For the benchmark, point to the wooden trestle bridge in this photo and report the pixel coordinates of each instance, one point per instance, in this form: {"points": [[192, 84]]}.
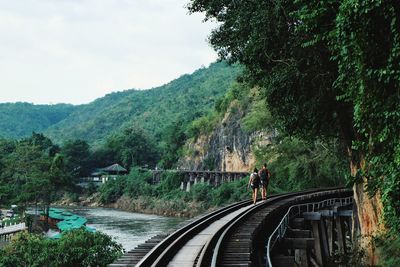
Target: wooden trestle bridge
{"points": [[190, 177], [296, 229]]}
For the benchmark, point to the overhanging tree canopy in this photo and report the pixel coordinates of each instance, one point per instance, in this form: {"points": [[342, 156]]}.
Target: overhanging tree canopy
{"points": [[328, 68]]}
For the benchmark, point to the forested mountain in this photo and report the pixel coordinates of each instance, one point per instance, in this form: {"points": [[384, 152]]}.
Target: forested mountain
{"points": [[21, 119], [184, 99]]}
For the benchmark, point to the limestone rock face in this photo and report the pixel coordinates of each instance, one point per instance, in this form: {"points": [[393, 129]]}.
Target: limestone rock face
{"points": [[227, 148], [369, 211], [368, 214]]}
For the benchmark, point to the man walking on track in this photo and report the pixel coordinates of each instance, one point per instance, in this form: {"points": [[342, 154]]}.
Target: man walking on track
{"points": [[265, 175]]}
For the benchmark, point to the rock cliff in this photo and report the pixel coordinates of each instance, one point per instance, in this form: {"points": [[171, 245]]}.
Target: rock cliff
{"points": [[227, 148]]}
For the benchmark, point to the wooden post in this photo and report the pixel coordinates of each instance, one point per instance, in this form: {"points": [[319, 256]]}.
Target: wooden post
{"points": [[188, 186], [339, 230], [216, 179], [324, 239], [303, 258], [317, 244], [329, 228], [182, 186], [300, 257]]}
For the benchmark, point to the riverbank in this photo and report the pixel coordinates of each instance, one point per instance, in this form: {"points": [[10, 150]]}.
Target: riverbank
{"points": [[143, 204], [128, 228], [170, 208]]}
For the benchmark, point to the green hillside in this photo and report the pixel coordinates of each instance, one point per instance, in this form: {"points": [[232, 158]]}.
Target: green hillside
{"points": [[185, 98], [21, 119]]}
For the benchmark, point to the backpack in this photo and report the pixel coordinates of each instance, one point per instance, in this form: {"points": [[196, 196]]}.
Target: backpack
{"points": [[264, 175], [255, 178]]}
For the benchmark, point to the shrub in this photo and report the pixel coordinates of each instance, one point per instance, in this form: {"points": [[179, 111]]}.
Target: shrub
{"points": [[230, 192], [75, 248], [91, 188], [112, 190], [296, 164], [170, 181], [389, 246], [201, 192], [138, 184]]}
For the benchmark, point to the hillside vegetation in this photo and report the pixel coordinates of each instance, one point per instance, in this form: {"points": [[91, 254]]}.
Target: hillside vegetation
{"points": [[21, 119], [296, 163], [185, 98]]}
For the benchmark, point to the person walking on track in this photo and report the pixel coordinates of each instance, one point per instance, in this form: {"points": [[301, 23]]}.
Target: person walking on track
{"points": [[265, 175], [254, 182]]}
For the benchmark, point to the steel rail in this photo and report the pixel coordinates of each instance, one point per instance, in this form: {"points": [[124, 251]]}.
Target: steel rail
{"points": [[163, 252], [166, 249], [207, 252], [230, 227]]}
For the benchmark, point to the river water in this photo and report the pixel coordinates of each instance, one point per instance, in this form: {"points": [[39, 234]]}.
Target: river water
{"points": [[129, 229]]}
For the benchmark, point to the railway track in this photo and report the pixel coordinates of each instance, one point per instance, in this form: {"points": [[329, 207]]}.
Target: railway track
{"points": [[231, 236]]}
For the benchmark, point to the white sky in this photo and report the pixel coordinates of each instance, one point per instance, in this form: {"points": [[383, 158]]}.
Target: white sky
{"points": [[74, 51]]}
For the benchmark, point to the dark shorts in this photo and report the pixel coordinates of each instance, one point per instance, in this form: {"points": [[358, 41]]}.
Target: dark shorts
{"points": [[255, 185], [264, 183]]}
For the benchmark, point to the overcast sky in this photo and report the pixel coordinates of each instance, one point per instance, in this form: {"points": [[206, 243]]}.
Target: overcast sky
{"points": [[74, 51]]}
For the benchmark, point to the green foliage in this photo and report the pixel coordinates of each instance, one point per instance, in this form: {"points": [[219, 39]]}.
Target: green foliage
{"points": [[73, 197], [75, 248], [30, 172], [91, 188], [41, 142], [201, 192], [296, 165], [231, 192], [112, 190], [185, 98], [77, 154], [170, 181], [21, 119], [209, 163], [173, 138], [367, 45], [138, 183], [328, 69], [132, 147], [238, 91], [388, 248], [242, 96], [295, 82], [258, 118], [203, 125]]}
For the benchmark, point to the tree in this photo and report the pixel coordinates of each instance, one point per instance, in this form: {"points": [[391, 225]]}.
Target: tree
{"points": [[30, 174], [329, 69], [297, 164], [22, 173], [174, 138], [75, 248], [133, 148], [43, 143], [77, 155]]}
